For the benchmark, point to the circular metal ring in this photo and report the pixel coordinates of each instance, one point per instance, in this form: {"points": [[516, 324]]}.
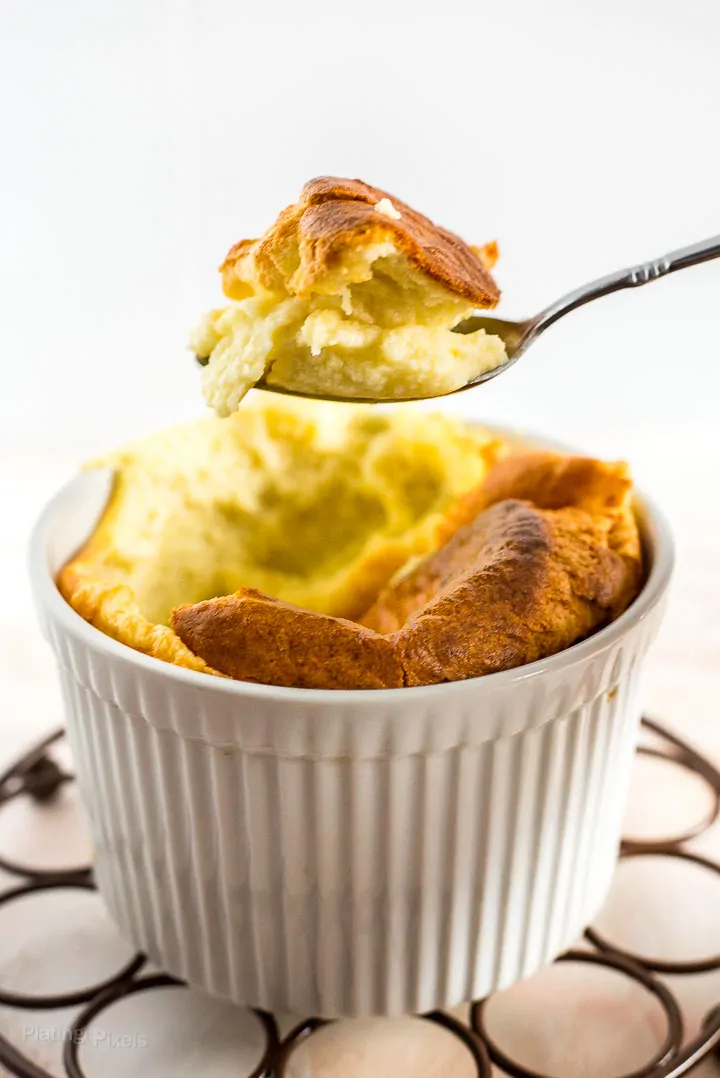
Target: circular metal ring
{"points": [[671, 842], [36, 775], [297, 1036], [665, 1053], [26, 761], [114, 993], [16, 1063], [676, 751], [711, 1028], [660, 965], [23, 1001], [467, 1036]]}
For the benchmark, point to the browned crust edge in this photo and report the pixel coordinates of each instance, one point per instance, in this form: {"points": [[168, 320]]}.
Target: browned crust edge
{"points": [[334, 214], [514, 582]]}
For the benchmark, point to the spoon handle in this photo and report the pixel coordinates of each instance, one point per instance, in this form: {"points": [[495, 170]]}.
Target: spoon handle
{"points": [[629, 278]]}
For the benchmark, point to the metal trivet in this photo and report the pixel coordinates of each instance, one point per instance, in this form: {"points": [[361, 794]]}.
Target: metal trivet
{"points": [[38, 776]]}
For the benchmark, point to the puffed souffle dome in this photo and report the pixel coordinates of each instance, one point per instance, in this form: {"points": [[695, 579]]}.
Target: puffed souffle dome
{"points": [[320, 546], [350, 293]]}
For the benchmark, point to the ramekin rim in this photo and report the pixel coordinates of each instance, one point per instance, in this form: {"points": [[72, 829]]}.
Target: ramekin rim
{"points": [[48, 594]]}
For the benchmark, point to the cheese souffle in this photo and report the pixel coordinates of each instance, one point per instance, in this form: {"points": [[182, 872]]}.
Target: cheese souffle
{"points": [[350, 293], [321, 546]]}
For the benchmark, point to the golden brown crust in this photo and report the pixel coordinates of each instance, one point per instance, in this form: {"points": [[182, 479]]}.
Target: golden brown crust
{"points": [[252, 637], [553, 481], [515, 585], [112, 609], [334, 215], [543, 554]]}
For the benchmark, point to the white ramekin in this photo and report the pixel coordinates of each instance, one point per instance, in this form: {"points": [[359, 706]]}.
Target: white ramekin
{"points": [[348, 853]]}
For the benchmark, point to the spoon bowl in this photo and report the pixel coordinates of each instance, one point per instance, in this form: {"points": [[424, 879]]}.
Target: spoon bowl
{"points": [[518, 336]]}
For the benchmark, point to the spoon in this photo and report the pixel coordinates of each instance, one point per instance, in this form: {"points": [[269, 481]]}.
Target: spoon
{"points": [[518, 336]]}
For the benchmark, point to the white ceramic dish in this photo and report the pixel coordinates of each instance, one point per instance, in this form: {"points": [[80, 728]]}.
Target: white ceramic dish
{"points": [[348, 852]]}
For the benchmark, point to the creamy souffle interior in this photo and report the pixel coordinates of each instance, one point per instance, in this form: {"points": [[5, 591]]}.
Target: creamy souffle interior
{"points": [[350, 293]]}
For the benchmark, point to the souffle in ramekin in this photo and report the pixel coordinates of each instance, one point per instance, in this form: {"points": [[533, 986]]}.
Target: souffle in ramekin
{"points": [[353, 694]]}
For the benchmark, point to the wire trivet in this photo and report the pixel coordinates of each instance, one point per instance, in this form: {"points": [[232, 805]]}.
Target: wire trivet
{"points": [[38, 775]]}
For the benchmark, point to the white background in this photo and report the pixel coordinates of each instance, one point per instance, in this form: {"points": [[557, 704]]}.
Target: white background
{"points": [[141, 138]]}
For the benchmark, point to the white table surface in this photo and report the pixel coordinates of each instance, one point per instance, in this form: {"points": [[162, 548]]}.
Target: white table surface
{"points": [[540, 1018]]}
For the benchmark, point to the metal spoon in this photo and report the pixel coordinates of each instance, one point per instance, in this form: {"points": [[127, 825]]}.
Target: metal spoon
{"points": [[518, 336]]}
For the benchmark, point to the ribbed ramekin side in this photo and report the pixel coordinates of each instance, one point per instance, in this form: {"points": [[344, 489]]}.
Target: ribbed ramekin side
{"points": [[371, 881]]}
